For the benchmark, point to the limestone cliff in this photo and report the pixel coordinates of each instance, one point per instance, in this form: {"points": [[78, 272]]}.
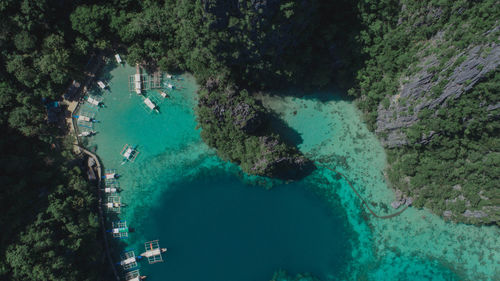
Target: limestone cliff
{"points": [[430, 89], [234, 123]]}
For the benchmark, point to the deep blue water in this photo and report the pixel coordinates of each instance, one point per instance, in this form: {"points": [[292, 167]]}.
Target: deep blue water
{"points": [[221, 229]]}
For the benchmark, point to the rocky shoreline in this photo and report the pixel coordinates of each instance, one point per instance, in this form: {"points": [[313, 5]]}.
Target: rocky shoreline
{"points": [[235, 124]]}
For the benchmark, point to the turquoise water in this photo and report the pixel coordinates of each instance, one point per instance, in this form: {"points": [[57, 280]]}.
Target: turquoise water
{"points": [[218, 225]]}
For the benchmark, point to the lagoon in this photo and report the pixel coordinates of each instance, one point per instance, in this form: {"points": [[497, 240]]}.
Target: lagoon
{"points": [[221, 225]]}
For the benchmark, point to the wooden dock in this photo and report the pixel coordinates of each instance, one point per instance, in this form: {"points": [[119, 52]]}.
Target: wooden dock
{"points": [[148, 82]]}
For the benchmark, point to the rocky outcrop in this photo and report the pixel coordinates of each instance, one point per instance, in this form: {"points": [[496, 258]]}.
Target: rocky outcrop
{"points": [[485, 215], [430, 89], [235, 124], [283, 166]]}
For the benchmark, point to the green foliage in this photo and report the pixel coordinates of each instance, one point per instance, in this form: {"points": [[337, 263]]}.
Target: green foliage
{"points": [[463, 150], [49, 224], [448, 147], [393, 39], [238, 136], [48, 220]]}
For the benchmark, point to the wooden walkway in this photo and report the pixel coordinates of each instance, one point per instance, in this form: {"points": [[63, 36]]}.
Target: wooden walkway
{"points": [[101, 213], [359, 196]]}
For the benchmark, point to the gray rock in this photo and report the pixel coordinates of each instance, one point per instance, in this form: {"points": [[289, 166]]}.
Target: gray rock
{"points": [[409, 201], [474, 214], [418, 94], [396, 204]]}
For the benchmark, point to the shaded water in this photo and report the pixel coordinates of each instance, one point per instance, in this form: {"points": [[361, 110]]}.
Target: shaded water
{"points": [[217, 226]]}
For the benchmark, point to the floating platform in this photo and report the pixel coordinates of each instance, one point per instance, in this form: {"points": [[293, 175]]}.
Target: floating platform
{"points": [[143, 82]]}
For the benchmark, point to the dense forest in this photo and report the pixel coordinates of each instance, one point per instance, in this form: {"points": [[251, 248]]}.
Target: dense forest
{"points": [[49, 216], [429, 87], [447, 159]]}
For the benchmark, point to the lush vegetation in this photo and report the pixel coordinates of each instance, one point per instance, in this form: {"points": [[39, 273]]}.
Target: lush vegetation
{"points": [[232, 122], [48, 220], [396, 36], [239, 44], [457, 168]]}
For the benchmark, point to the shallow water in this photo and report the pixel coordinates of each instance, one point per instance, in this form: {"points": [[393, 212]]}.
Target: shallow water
{"points": [[218, 226]]}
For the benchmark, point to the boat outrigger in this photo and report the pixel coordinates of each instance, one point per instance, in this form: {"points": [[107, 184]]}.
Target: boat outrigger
{"points": [[134, 275], [110, 190], [128, 260], [119, 229], [153, 251], [85, 118], [110, 174], [114, 204], [163, 94], [112, 186], [118, 59], [129, 153], [102, 85], [95, 102], [151, 105], [87, 133]]}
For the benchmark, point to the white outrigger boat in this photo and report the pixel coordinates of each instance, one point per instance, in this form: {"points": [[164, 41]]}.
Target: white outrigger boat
{"points": [[95, 102], [87, 134], [118, 59], [114, 204], [134, 275], [128, 260], [129, 153], [110, 174], [151, 105], [102, 85], [110, 190], [119, 229], [85, 118], [153, 251]]}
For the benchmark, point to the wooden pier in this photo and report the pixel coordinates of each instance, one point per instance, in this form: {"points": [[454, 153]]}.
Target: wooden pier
{"points": [[147, 82]]}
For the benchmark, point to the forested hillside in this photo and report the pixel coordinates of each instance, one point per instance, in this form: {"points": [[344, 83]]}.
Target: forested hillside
{"points": [[49, 218], [425, 74], [430, 89]]}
